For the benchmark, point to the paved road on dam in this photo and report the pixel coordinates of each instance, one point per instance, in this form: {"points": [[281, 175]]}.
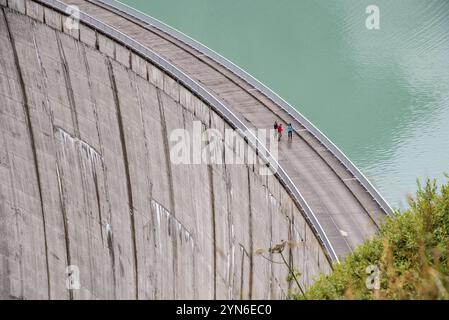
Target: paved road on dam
{"points": [[346, 211]]}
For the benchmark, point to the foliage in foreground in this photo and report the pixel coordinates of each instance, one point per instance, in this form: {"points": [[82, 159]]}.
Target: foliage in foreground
{"points": [[410, 251]]}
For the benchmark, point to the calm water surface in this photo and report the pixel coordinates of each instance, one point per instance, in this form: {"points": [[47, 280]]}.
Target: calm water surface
{"points": [[382, 95]]}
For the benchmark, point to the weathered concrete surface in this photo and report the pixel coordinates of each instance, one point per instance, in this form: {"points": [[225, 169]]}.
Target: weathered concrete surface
{"points": [[86, 180]]}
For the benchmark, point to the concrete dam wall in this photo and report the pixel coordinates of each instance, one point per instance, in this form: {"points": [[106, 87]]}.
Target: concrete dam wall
{"points": [[87, 187]]}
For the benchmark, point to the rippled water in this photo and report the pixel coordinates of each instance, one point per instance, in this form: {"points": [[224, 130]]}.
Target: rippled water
{"points": [[381, 95]]}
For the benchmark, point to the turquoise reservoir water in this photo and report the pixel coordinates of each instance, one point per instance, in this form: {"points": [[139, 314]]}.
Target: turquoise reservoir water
{"points": [[381, 95]]}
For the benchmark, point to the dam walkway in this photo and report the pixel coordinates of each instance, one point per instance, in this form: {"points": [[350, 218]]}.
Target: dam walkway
{"points": [[346, 206]]}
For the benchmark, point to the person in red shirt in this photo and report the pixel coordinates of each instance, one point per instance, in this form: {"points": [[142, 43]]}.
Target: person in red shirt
{"points": [[280, 131]]}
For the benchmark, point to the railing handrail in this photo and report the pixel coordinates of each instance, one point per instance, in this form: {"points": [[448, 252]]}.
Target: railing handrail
{"points": [[216, 104], [320, 136]]}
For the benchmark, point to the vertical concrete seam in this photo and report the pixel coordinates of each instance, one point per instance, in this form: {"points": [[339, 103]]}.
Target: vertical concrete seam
{"points": [[145, 138], [170, 183], [75, 122], [110, 241], [109, 235], [242, 272], [166, 150], [100, 141], [14, 199], [58, 168], [290, 253], [65, 221], [271, 213], [74, 117], [127, 173], [231, 236], [251, 262], [32, 142], [97, 196], [68, 85], [214, 236], [144, 129]]}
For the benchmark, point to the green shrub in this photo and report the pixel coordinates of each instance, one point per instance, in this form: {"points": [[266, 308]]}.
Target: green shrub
{"points": [[410, 251]]}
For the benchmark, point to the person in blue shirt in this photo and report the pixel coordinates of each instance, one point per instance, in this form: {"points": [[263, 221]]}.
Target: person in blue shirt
{"points": [[290, 132]]}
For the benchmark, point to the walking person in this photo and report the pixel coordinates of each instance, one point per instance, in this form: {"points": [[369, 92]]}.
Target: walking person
{"points": [[290, 132], [280, 129], [275, 129]]}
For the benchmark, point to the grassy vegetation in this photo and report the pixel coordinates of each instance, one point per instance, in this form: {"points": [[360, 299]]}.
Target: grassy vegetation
{"points": [[411, 253]]}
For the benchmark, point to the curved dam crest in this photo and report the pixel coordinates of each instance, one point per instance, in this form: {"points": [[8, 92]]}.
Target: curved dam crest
{"points": [[86, 180]]}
